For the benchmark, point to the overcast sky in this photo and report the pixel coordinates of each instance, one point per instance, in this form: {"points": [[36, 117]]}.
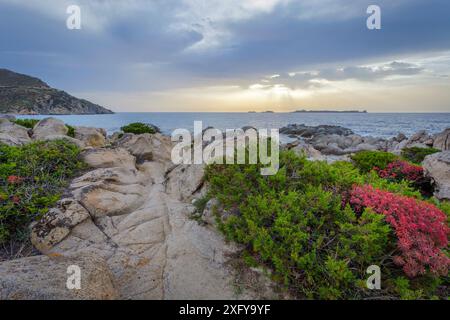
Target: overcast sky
{"points": [[235, 55]]}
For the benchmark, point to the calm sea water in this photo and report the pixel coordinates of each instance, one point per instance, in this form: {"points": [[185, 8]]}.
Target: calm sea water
{"points": [[373, 124]]}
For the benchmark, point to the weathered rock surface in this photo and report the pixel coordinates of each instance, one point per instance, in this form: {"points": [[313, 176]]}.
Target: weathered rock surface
{"points": [[108, 158], [13, 134], [442, 140], [91, 137], [45, 278], [437, 167], [49, 127], [146, 147], [138, 221]]}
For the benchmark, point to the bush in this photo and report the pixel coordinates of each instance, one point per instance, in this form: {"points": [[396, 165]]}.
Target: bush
{"points": [[139, 128], [402, 170], [32, 178], [368, 160], [420, 227], [416, 154], [299, 223], [27, 123], [71, 131]]}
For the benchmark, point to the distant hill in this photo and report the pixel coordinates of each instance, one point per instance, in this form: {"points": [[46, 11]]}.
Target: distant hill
{"points": [[22, 94]]}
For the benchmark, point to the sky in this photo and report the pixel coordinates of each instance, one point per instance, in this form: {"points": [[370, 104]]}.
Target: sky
{"points": [[235, 55]]}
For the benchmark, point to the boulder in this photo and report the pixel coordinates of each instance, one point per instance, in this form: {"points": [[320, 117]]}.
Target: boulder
{"points": [[437, 167], [108, 158], [13, 134], [46, 278], [57, 224], [49, 127], [147, 147], [92, 137], [302, 148], [442, 140]]}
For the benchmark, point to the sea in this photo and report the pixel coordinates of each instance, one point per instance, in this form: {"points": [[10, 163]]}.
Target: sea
{"points": [[383, 125]]}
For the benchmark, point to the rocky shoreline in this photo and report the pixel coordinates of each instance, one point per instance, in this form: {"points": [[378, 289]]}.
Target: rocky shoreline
{"points": [[127, 221]]}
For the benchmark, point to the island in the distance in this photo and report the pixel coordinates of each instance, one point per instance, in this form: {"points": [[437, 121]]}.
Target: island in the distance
{"points": [[22, 94], [329, 111]]}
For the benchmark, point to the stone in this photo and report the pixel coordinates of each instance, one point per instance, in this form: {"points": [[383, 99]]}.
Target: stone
{"points": [[57, 224], [442, 140], [77, 142], [147, 147], [108, 158], [45, 278], [49, 127], [92, 137], [9, 117], [303, 148], [437, 167], [13, 134]]}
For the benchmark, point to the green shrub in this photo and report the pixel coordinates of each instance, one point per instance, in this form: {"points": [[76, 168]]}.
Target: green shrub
{"points": [[139, 128], [296, 222], [32, 178], [416, 154], [27, 123], [368, 160], [71, 131]]}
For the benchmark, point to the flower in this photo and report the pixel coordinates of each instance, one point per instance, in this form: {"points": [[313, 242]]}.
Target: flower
{"points": [[14, 179]]}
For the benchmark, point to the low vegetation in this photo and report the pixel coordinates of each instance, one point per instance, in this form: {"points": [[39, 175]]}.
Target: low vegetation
{"points": [[27, 123], [320, 226], [139, 128], [417, 155], [32, 179]]}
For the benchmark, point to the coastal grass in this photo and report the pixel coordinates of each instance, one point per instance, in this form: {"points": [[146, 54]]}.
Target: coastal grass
{"points": [[300, 224]]}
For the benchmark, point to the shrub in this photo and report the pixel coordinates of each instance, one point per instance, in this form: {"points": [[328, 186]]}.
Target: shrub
{"points": [[71, 131], [368, 160], [27, 123], [32, 178], [416, 154], [299, 223], [139, 128], [420, 227], [401, 170]]}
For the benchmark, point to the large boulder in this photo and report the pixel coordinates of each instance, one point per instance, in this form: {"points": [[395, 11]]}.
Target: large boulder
{"points": [[49, 127], [92, 137], [46, 278], [147, 147], [109, 158], [13, 134], [437, 167], [302, 148], [442, 140]]}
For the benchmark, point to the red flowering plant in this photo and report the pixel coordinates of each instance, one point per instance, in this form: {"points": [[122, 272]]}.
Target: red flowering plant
{"points": [[14, 179], [401, 170], [420, 227]]}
